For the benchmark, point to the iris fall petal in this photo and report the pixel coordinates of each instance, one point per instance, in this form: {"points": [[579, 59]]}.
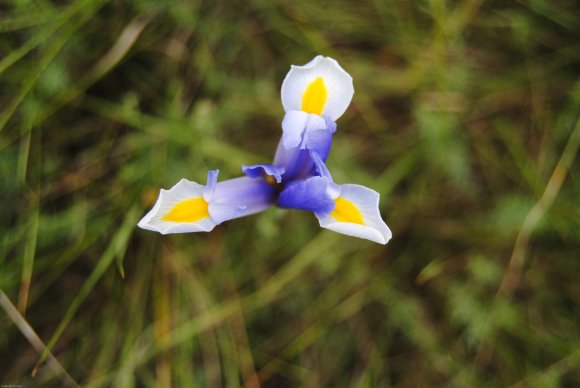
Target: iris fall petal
{"points": [[320, 87]]}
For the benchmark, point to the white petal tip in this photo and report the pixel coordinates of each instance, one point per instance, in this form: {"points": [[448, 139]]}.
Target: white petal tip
{"points": [[360, 231]]}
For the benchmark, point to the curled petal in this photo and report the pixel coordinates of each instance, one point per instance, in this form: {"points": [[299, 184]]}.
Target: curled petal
{"points": [[209, 189], [356, 213], [264, 170], [320, 87]]}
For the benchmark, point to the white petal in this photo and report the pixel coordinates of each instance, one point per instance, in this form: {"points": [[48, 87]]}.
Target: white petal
{"points": [[338, 84], [168, 199], [366, 201]]}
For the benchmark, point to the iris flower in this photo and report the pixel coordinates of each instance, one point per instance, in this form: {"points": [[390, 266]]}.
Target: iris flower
{"points": [[313, 96]]}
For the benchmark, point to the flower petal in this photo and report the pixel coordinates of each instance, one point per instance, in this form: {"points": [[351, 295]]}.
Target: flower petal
{"points": [[298, 125], [191, 207], [317, 138], [320, 87], [310, 194], [180, 209], [356, 213], [293, 127], [297, 161], [320, 165], [240, 197], [264, 170]]}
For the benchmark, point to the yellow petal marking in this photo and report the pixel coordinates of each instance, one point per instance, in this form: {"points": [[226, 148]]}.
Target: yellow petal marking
{"points": [[314, 98], [188, 210], [346, 211]]}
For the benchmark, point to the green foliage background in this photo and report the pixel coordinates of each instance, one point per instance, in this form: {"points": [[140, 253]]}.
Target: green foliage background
{"points": [[465, 119]]}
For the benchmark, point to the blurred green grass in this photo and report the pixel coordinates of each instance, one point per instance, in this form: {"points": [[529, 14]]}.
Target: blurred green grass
{"points": [[465, 119]]}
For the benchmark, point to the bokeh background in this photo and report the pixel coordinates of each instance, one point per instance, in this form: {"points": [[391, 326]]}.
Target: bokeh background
{"points": [[465, 119]]}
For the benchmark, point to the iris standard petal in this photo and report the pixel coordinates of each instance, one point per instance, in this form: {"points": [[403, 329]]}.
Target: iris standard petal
{"points": [[318, 138], [296, 127], [310, 194], [297, 162], [180, 209], [293, 127], [320, 87], [264, 170], [356, 213]]}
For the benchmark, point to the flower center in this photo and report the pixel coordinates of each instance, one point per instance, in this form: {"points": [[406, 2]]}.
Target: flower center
{"points": [[188, 210], [314, 98]]}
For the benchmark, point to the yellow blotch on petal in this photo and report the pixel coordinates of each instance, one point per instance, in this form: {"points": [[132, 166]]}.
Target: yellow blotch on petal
{"points": [[314, 98], [188, 210], [346, 211]]}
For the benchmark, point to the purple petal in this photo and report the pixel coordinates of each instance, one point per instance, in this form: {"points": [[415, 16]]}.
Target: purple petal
{"points": [[293, 126], [236, 197], [212, 177], [263, 170], [296, 162], [319, 141], [310, 194], [314, 123], [320, 166], [240, 197]]}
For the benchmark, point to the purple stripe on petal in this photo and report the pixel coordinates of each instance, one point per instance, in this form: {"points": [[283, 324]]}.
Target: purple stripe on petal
{"points": [[310, 194]]}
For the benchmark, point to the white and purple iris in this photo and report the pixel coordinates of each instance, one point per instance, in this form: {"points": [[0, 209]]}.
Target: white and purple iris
{"points": [[313, 96]]}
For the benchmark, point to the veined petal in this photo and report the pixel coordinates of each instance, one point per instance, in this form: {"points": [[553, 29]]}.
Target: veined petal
{"points": [[180, 209], [356, 213], [320, 87], [265, 170]]}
